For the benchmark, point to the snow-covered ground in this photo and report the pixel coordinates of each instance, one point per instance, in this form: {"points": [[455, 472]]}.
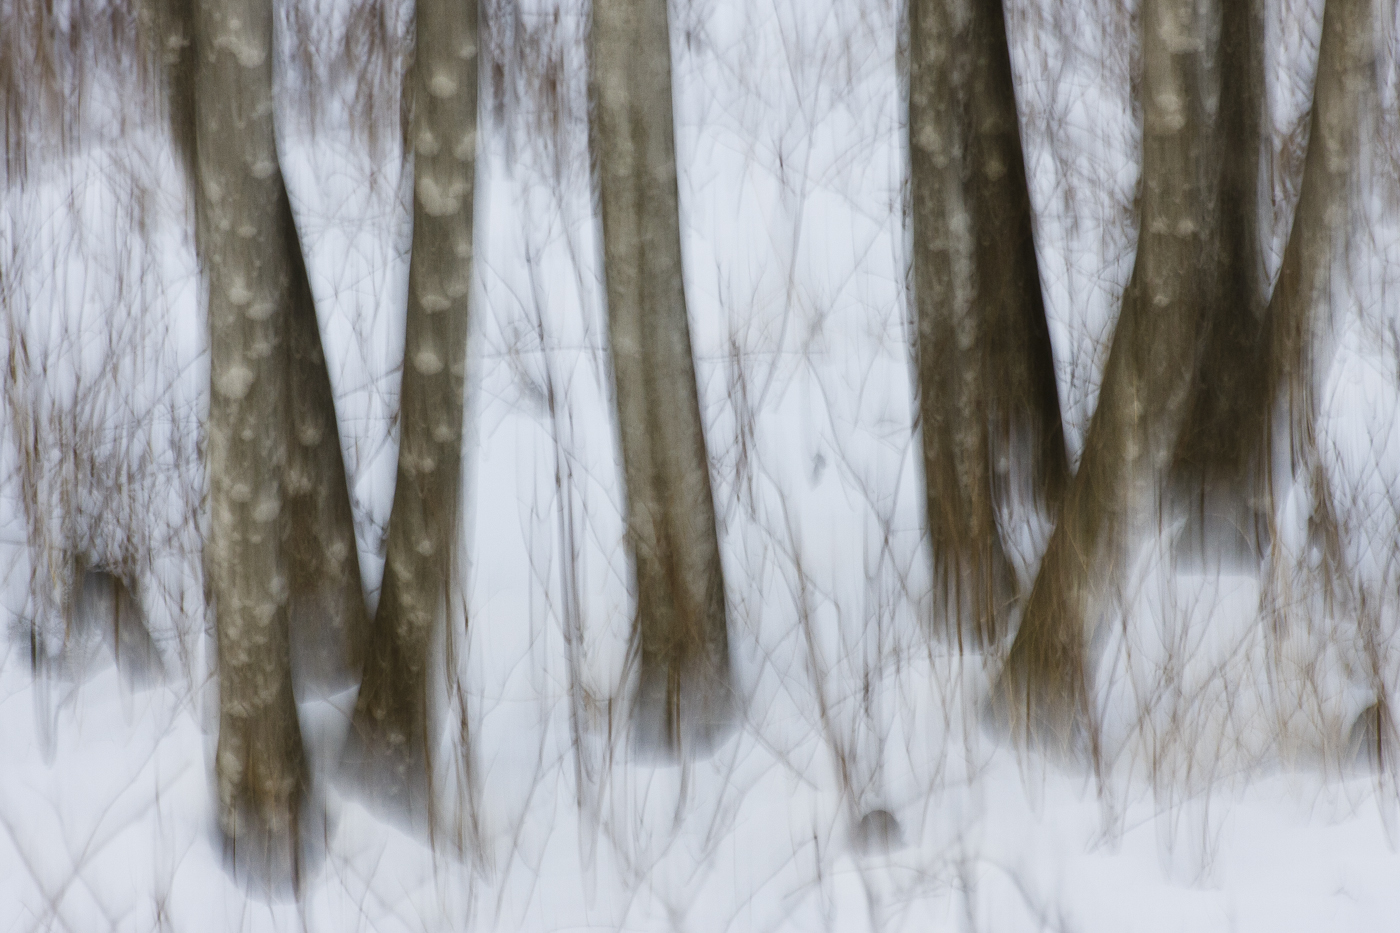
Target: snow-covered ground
{"points": [[1225, 796]]}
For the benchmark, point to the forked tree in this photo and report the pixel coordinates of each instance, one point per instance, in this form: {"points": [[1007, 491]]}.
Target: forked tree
{"points": [[680, 635], [1201, 370], [1171, 301], [281, 559], [392, 737], [985, 369]]}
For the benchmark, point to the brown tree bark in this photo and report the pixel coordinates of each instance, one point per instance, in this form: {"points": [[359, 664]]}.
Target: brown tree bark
{"points": [[985, 369], [684, 698], [1344, 96], [244, 243], [1219, 476], [392, 736], [1345, 102], [328, 621], [1173, 301], [281, 561]]}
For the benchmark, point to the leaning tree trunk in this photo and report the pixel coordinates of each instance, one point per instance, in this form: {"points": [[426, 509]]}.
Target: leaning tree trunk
{"points": [[391, 742], [680, 631], [1344, 96], [329, 622], [987, 394], [1344, 102], [1132, 437], [245, 241]]}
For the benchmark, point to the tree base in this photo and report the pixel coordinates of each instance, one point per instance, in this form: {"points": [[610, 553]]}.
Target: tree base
{"points": [[388, 774], [681, 718], [274, 855]]}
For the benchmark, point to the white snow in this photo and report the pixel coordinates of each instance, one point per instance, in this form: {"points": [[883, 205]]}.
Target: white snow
{"points": [[1220, 799]]}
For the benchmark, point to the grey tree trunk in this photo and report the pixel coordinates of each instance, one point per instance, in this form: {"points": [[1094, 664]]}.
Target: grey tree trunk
{"points": [[684, 698], [392, 737], [328, 621], [985, 369], [281, 559], [260, 764], [1172, 297]]}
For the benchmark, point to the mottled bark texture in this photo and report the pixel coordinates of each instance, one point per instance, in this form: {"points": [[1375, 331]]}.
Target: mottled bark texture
{"points": [[392, 737], [328, 621], [280, 557], [684, 698], [260, 764], [1173, 300], [988, 402]]}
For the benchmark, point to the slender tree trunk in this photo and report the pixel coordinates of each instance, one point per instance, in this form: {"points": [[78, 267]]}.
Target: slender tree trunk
{"points": [[1220, 471], [246, 247], [680, 631], [1344, 96], [1147, 385], [985, 368], [1344, 103], [329, 622], [392, 737]]}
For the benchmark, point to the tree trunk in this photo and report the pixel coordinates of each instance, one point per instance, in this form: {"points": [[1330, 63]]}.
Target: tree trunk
{"points": [[680, 633], [326, 602], [1219, 474], [985, 369], [1147, 385], [392, 738], [329, 622], [1344, 101], [246, 247]]}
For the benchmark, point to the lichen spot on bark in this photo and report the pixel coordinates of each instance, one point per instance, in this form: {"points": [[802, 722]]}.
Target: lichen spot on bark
{"points": [[442, 85], [433, 303], [427, 361], [234, 382], [437, 200], [238, 292]]}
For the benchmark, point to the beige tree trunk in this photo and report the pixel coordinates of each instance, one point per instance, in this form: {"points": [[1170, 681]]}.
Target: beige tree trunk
{"points": [[392, 736], [281, 559], [328, 621], [680, 635], [244, 247], [985, 369], [1171, 300]]}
